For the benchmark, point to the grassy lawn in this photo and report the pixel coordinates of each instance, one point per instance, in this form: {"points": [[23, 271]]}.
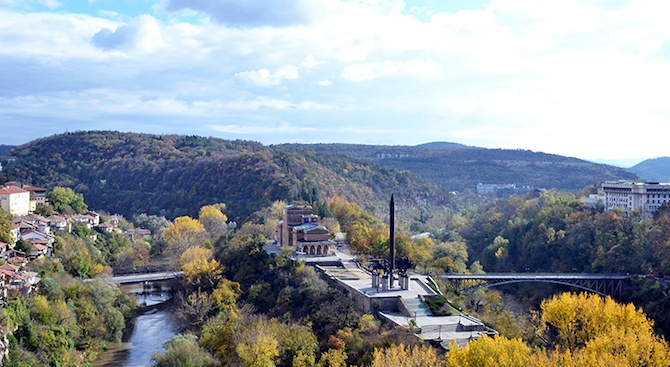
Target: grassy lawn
{"points": [[439, 306]]}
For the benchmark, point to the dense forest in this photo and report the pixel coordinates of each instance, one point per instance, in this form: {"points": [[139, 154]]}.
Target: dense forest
{"points": [[171, 175], [456, 167]]}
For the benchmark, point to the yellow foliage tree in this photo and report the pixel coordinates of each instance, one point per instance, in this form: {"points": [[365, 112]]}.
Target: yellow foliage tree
{"points": [[257, 344], [570, 320], [199, 270], [497, 351], [185, 232], [226, 295], [400, 355], [213, 219], [333, 358], [589, 330]]}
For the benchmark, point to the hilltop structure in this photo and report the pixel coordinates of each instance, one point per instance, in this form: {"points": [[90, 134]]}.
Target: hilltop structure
{"points": [[299, 229], [645, 197]]}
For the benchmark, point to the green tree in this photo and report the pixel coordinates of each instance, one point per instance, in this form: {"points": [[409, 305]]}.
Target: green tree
{"points": [[184, 351], [65, 200], [5, 227]]}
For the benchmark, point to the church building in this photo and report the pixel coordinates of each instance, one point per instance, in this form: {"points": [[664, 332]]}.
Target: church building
{"points": [[300, 230]]}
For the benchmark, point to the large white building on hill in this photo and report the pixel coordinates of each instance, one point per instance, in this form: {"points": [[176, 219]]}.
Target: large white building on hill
{"points": [[14, 200], [645, 197]]}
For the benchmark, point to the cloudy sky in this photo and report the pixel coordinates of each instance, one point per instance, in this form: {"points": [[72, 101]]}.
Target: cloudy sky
{"points": [[587, 79]]}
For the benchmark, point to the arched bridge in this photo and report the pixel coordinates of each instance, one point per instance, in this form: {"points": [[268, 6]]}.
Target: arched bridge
{"points": [[603, 284]]}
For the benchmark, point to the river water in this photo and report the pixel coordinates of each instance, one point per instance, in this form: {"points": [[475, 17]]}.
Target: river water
{"points": [[151, 330]]}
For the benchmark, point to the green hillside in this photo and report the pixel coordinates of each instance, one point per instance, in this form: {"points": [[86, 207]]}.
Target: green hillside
{"points": [[657, 169], [173, 175], [459, 167]]}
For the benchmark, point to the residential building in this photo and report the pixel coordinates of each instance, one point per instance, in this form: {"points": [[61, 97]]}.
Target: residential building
{"points": [[492, 189], [38, 196], [15, 232], [15, 200], [643, 197]]}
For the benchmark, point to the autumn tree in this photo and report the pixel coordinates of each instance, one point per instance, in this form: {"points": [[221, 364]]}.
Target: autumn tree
{"points": [[401, 355], [201, 271], [213, 220], [420, 251], [451, 257], [596, 328], [497, 351], [185, 232]]}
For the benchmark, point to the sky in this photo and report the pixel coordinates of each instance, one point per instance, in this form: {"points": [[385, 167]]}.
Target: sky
{"points": [[587, 79]]}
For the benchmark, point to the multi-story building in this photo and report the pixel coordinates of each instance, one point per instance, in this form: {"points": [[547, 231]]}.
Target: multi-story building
{"points": [[15, 200], [645, 197], [38, 196]]}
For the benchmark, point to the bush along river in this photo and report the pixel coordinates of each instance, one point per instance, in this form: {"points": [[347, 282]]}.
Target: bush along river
{"points": [[148, 331]]}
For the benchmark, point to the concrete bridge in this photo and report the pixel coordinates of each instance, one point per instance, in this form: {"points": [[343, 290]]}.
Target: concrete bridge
{"points": [[147, 277], [603, 284]]}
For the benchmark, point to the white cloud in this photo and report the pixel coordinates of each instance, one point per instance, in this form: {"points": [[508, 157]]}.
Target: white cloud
{"points": [[144, 34], [515, 73], [369, 71], [264, 78], [310, 62]]}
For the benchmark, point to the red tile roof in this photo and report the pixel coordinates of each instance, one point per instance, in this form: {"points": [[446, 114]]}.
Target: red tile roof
{"points": [[11, 190], [33, 188]]}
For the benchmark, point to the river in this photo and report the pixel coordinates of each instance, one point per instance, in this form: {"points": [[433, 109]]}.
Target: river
{"points": [[151, 330]]}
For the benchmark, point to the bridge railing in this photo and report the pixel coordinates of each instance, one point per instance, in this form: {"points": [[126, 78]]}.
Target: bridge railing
{"points": [[129, 270]]}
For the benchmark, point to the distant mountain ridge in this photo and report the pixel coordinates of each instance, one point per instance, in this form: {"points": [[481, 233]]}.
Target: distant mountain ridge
{"points": [[174, 175], [655, 170], [459, 167], [4, 149]]}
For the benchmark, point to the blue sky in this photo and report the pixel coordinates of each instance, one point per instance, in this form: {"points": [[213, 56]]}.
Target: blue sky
{"points": [[587, 78]]}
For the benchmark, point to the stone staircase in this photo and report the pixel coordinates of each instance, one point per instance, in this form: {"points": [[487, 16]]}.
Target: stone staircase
{"points": [[415, 307]]}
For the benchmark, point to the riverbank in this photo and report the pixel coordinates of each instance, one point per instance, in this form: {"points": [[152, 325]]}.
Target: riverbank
{"points": [[148, 333]]}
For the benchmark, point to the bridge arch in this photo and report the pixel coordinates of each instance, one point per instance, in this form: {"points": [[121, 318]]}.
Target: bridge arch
{"points": [[603, 284]]}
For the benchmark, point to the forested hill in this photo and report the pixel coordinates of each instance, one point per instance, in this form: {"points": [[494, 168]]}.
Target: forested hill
{"points": [[657, 169], [4, 149], [172, 175], [458, 167]]}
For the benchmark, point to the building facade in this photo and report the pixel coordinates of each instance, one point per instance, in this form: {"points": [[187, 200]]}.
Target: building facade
{"points": [[300, 229], [644, 197], [15, 200]]}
